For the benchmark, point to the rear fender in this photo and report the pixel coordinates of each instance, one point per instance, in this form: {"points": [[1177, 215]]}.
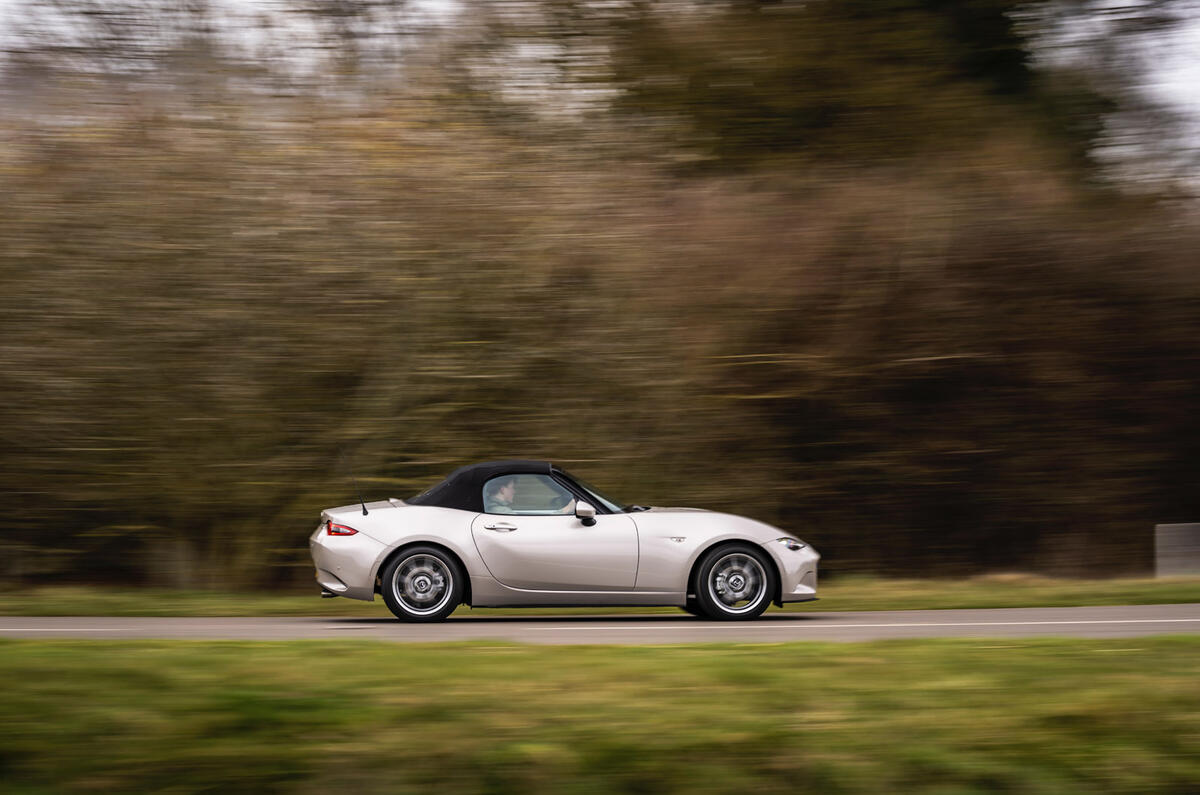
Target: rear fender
{"points": [[425, 524]]}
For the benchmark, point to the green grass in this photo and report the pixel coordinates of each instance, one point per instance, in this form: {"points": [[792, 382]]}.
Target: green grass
{"points": [[1006, 590], [952, 716]]}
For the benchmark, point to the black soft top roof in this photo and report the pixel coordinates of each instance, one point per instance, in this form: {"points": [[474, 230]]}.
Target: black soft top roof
{"points": [[463, 488]]}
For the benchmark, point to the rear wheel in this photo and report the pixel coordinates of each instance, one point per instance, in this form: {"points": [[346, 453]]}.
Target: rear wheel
{"points": [[422, 584], [734, 583], [693, 608]]}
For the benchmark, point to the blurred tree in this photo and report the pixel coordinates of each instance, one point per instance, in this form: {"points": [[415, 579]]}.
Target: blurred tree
{"points": [[745, 83], [831, 79]]}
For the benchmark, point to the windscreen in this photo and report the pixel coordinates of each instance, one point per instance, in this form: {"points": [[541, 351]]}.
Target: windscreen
{"points": [[599, 496]]}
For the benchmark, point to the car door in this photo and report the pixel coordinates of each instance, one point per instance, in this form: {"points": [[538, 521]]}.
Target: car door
{"points": [[527, 543]]}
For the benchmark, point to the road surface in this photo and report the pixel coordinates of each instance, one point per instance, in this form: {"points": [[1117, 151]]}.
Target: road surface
{"points": [[1078, 622]]}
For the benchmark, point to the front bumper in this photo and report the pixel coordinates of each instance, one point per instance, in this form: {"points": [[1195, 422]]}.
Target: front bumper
{"points": [[797, 573], [344, 563]]}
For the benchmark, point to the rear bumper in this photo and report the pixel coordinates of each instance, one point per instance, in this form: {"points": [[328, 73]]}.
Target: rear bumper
{"points": [[344, 563]]}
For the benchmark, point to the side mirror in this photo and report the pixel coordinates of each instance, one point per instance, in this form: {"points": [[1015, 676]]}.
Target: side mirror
{"points": [[586, 513]]}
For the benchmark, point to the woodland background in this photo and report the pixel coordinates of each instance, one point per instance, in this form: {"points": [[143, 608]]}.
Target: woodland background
{"points": [[914, 279]]}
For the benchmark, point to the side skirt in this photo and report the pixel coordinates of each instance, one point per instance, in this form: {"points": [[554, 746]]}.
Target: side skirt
{"points": [[487, 592]]}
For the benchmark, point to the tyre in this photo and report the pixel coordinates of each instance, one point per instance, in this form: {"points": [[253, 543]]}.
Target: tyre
{"points": [[693, 608], [422, 584], [734, 583]]}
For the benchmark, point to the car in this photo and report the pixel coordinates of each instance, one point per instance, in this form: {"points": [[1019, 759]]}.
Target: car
{"points": [[528, 533]]}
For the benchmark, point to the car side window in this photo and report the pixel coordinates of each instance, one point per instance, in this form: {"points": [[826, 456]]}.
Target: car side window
{"points": [[528, 495]]}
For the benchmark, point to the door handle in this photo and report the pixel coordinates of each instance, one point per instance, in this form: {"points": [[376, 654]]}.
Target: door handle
{"points": [[500, 527]]}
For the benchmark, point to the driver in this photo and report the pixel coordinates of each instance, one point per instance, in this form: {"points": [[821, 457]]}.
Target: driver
{"points": [[499, 495]]}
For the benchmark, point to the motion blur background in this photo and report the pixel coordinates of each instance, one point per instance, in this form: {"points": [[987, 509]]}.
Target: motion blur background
{"points": [[915, 279]]}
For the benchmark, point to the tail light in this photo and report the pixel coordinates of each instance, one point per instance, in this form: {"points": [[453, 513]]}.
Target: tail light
{"points": [[333, 529]]}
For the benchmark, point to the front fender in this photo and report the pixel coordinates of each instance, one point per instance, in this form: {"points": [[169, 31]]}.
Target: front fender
{"points": [[670, 543]]}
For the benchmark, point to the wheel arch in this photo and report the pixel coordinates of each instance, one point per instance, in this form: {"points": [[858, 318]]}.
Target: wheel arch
{"points": [[776, 598], [407, 545]]}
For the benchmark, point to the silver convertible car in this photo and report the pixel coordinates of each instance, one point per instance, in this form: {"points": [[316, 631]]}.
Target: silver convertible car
{"points": [[527, 533]]}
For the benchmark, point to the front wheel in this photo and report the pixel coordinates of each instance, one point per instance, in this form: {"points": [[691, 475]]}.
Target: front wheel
{"points": [[422, 584], [734, 583]]}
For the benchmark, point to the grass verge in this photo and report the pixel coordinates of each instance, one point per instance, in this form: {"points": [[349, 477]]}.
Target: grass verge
{"points": [[862, 593], [916, 716]]}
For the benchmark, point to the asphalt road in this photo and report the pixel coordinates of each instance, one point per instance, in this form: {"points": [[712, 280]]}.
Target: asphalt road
{"points": [[1079, 622]]}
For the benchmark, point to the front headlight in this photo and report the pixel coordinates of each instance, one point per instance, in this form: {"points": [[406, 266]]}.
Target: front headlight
{"points": [[792, 543]]}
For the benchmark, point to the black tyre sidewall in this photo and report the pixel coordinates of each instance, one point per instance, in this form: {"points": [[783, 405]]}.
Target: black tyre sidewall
{"points": [[456, 586], [705, 603]]}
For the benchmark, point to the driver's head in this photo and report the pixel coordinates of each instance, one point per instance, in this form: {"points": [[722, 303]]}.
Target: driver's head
{"points": [[503, 491]]}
